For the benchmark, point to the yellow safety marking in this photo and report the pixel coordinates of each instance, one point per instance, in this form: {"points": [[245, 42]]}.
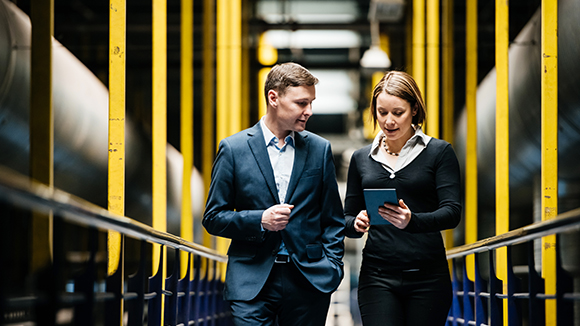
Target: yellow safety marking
{"points": [[549, 105]]}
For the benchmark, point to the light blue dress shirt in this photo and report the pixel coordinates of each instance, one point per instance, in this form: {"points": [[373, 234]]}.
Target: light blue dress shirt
{"points": [[282, 160]]}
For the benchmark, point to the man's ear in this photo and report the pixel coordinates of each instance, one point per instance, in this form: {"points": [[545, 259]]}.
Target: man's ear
{"points": [[273, 98]]}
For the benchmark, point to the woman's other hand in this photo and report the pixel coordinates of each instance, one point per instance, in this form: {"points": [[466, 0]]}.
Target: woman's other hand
{"points": [[399, 216], [362, 222]]}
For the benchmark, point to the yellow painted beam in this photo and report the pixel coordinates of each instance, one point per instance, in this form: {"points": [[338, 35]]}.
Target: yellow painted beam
{"points": [[447, 91], [116, 165], [549, 105], [41, 125], [159, 130], [448, 82], [262, 75], [433, 46], [502, 198], [419, 43], [186, 126], [222, 71], [471, 146], [229, 72], [208, 100], [235, 58]]}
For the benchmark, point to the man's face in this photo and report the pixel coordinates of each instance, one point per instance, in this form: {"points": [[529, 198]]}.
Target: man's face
{"points": [[294, 107]]}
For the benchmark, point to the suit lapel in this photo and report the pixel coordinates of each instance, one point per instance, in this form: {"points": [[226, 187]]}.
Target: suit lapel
{"points": [[256, 143], [300, 154]]}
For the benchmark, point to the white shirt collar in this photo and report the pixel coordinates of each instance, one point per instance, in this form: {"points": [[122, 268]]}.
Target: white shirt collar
{"points": [[268, 134], [419, 137]]}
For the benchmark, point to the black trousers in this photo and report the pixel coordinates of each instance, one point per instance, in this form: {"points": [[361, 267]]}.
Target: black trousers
{"points": [[406, 298], [286, 299]]}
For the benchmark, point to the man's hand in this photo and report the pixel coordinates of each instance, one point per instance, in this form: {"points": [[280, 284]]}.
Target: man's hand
{"points": [[276, 217]]}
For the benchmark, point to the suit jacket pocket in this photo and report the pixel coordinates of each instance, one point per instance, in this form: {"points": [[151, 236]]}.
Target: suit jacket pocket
{"points": [[314, 251], [242, 249], [311, 173]]}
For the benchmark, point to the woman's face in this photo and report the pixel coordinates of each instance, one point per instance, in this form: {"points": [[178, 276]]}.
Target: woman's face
{"points": [[395, 116]]}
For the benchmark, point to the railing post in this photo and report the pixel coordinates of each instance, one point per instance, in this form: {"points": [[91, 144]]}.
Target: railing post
{"points": [[136, 284], [467, 302], [495, 287], [156, 289], [170, 314], [184, 302], [456, 305], [114, 308], [480, 315], [514, 310]]}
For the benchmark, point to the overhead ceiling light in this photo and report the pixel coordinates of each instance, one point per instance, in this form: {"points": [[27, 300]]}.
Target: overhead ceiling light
{"points": [[307, 11], [376, 58], [312, 39]]}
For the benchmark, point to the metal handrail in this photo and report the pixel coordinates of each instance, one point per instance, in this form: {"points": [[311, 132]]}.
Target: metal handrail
{"points": [[561, 223], [28, 193]]}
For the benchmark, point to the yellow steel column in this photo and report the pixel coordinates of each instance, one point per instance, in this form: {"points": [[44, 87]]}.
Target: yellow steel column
{"points": [[409, 37], [208, 147], [502, 192], [244, 62], [549, 104], [116, 166], [448, 70], [419, 43], [471, 147], [267, 56], [262, 105], [186, 125], [223, 98], [41, 125], [159, 127], [448, 84], [235, 57], [432, 95], [228, 80]]}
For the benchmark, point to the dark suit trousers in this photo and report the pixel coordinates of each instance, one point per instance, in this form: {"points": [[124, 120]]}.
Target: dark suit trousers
{"points": [[286, 299]]}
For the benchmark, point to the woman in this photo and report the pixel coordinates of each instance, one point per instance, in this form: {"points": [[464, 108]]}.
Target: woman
{"points": [[404, 277]]}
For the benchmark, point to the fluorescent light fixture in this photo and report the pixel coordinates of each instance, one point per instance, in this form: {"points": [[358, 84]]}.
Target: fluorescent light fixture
{"points": [[335, 91], [313, 39], [307, 11]]}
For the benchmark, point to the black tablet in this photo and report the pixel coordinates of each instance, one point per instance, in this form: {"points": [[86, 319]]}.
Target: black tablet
{"points": [[374, 198]]}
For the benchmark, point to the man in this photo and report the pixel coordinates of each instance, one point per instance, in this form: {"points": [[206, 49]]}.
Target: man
{"points": [[274, 193]]}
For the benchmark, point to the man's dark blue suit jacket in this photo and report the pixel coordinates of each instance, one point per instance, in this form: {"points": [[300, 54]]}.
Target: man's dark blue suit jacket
{"points": [[243, 186]]}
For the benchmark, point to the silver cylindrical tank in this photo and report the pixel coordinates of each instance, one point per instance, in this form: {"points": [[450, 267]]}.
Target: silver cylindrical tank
{"points": [[80, 105]]}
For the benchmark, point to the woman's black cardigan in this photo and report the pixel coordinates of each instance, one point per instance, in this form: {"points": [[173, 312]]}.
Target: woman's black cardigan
{"points": [[429, 185]]}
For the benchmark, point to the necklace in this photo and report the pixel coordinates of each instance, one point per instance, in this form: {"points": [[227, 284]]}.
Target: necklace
{"points": [[387, 148]]}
